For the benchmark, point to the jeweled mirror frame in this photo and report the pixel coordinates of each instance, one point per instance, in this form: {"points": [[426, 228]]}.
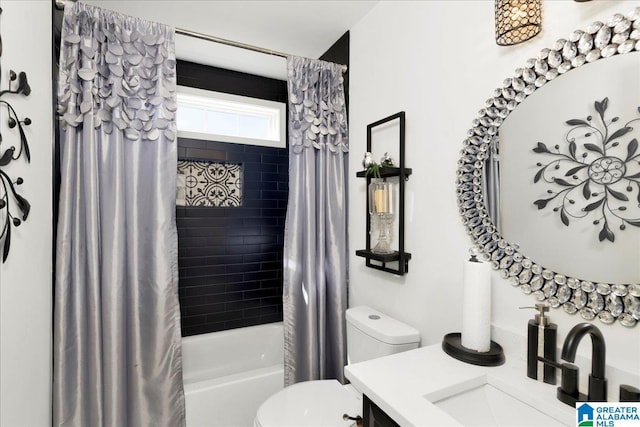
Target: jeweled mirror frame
{"points": [[608, 302]]}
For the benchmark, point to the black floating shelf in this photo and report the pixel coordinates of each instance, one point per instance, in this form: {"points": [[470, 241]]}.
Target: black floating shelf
{"points": [[386, 172], [394, 256]]}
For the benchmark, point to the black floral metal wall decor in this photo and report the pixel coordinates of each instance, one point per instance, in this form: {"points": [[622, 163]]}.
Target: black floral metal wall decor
{"points": [[14, 208], [595, 174]]}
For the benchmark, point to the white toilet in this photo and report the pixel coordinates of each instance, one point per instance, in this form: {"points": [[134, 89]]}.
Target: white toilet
{"points": [[370, 334]]}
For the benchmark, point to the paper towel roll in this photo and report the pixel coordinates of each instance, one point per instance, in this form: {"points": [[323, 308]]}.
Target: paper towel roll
{"points": [[476, 306]]}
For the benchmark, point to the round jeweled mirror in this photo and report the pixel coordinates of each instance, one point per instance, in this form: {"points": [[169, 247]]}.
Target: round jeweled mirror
{"points": [[572, 161]]}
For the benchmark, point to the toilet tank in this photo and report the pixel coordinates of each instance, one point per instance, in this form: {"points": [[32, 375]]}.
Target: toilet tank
{"points": [[372, 334]]}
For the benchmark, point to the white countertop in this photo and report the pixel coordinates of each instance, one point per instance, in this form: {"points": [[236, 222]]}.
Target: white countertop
{"points": [[404, 384]]}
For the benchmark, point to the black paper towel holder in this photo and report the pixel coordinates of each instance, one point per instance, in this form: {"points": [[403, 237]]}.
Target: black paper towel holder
{"points": [[452, 345]]}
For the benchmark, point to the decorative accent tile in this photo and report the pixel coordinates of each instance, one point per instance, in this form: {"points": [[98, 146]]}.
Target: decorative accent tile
{"points": [[211, 184]]}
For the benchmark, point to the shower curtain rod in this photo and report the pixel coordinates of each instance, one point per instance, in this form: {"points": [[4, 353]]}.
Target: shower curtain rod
{"points": [[60, 5]]}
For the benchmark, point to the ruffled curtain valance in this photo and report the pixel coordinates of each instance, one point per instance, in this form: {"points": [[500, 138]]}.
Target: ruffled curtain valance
{"points": [[119, 71], [317, 107]]}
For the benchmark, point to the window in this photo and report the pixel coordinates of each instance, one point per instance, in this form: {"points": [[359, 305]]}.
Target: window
{"points": [[223, 117]]}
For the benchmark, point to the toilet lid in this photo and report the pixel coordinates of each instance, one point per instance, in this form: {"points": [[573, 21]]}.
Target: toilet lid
{"points": [[310, 403]]}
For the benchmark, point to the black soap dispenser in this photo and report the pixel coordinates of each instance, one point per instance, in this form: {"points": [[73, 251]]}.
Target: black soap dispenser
{"points": [[541, 342]]}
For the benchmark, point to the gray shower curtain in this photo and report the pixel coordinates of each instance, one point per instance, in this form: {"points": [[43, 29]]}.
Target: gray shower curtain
{"points": [[117, 345], [315, 248]]}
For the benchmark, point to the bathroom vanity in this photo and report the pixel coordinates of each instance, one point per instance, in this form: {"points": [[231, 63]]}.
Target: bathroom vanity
{"points": [[427, 387]]}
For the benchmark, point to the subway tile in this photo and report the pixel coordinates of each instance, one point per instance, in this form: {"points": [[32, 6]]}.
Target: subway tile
{"points": [[261, 311], [274, 159], [203, 231], [243, 249], [261, 293], [205, 309], [203, 329], [225, 146], [242, 268], [252, 175], [275, 300], [282, 169], [273, 265], [209, 241], [268, 186], [260, 257], [193, 320], [271, 283], [263, 221], [255, 203], [245, 231], [278, 195], [221, 212], [202, 251], [269, 212], [243, 157], [272, 230], [211, 300], [206, 280], [191, 143], [205, 154], [260, 275], [283, 186], [185, 262], [205, 290], [260, 150], [250, 194], [264, 168], [201, 211], [193, 222], [242, 286], [258, 240], [242, 305], [272, 247], [226, 316], [269, 176]]}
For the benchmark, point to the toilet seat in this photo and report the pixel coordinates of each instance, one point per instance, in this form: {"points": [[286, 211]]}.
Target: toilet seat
{"points": [[310, 403]]}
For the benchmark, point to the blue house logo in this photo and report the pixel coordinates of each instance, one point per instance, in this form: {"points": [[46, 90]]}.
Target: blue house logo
{"points": [[585, 415]]}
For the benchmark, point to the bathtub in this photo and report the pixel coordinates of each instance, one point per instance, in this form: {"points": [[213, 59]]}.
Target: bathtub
{"points": [[227, 375]]}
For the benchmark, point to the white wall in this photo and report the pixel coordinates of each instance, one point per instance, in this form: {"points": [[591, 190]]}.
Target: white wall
{"points": [[25, 279], [438, 61]]}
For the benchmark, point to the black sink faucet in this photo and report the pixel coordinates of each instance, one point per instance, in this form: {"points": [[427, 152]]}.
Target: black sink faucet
{"points": [[597, 380]]}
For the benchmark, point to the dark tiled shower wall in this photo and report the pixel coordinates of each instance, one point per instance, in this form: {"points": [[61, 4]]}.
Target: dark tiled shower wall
{"points": [[230, 258]]}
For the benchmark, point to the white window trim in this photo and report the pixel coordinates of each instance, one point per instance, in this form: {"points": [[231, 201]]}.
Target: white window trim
{"points": [[224, 102]]}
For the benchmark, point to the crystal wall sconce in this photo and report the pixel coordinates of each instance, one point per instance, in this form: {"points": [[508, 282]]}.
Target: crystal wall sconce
{"points": [[517, 21]]}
